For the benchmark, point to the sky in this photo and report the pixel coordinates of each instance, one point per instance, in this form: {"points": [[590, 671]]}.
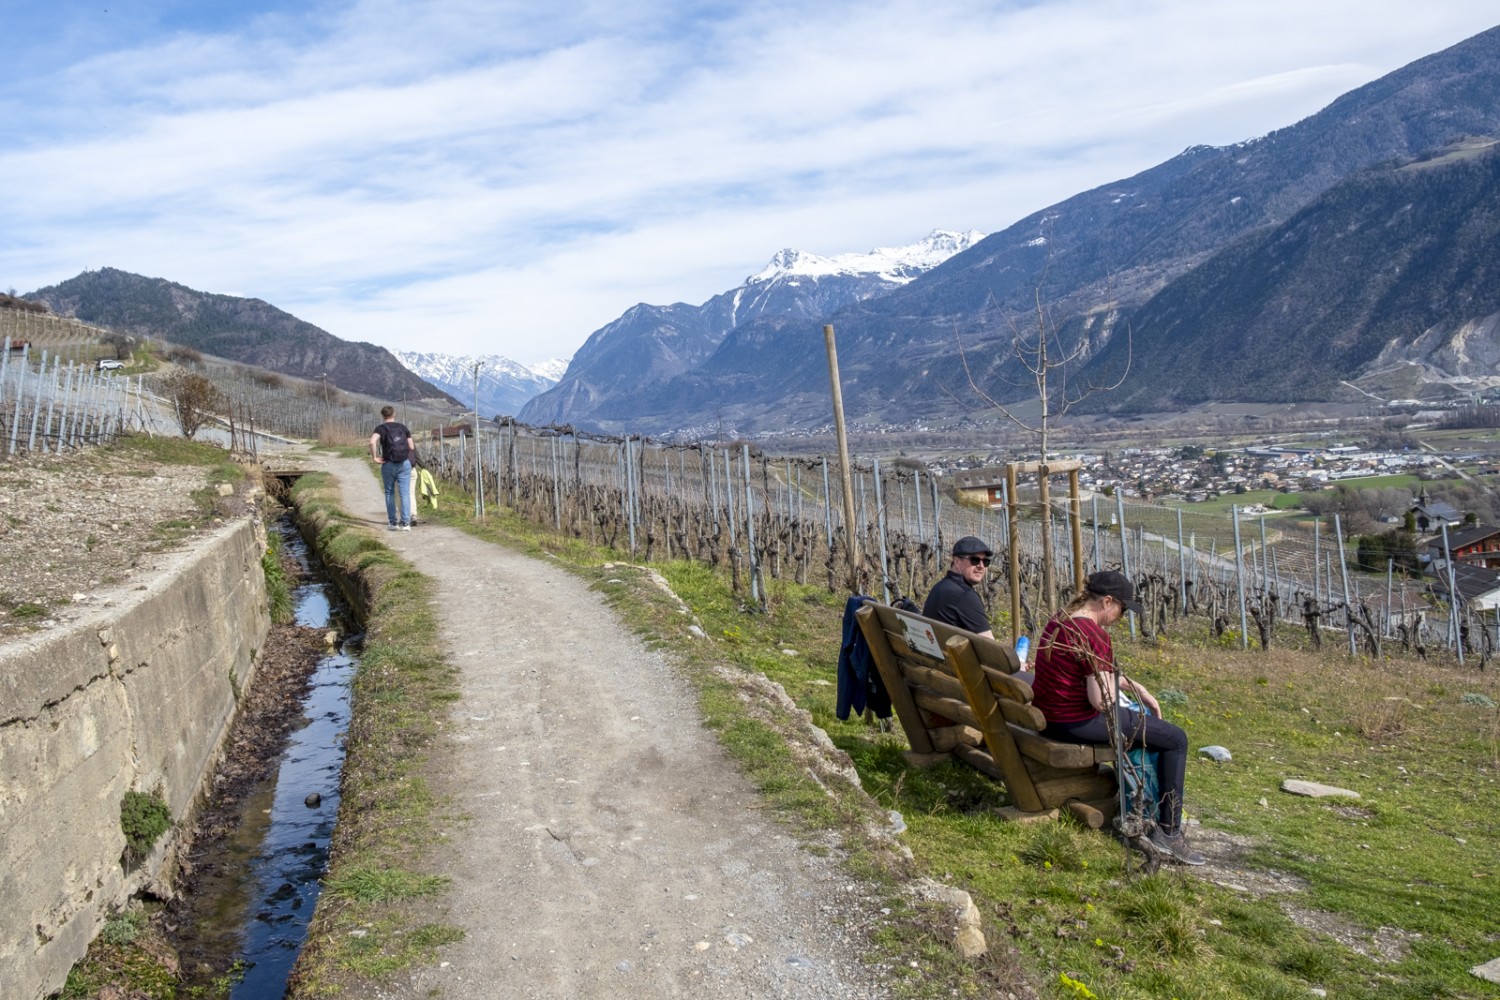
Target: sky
{"points": [[497, 177]]}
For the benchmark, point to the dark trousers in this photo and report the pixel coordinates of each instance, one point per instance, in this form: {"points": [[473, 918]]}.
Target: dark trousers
{"points": [[1139, 730]]}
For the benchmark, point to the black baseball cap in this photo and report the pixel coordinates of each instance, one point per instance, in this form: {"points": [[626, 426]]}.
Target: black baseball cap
{"points": [[1109, 583], [971, 546]]}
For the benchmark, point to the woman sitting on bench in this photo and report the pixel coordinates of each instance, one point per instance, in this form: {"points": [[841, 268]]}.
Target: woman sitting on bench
{"points": [[1076, 679]]}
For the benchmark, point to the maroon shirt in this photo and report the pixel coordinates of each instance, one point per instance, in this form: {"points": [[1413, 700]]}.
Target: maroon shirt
{"points": [[1067, 655]]}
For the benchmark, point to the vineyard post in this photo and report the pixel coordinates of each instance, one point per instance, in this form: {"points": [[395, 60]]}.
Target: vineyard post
{"points": [[1317, 560], [827, 506], [750, 526], [916, 488], [885, 576], [1013, 551], [52, 402], [1181, 565], [729, 498], [938, 559], [628, 494], [1390, 573], [15, 424], [1124, 546], [850, 538], [713, 483], [556, 486], [36, 406], [1075, 525], [1338, 538], [1239, 576], [1453, 604]]}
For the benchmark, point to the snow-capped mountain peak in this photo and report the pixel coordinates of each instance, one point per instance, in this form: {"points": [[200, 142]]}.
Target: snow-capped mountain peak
{"points": [[504, 385], [896, 264], [553, 368]]}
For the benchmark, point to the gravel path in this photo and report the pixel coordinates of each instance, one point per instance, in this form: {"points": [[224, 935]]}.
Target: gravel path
{"points": [[611, 849]]}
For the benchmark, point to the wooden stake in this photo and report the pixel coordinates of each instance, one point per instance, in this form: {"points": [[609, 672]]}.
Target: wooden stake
{"points": [[851, 537]]}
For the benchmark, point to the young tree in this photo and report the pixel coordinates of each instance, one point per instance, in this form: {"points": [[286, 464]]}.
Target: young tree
{"points": [[195, 398], [1050, 365]]}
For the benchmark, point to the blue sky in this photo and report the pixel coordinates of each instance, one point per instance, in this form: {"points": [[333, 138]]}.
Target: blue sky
{"points": [[489, 176]]}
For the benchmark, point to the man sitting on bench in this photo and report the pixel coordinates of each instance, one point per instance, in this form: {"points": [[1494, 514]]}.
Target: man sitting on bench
{"points": [[953, 600]]}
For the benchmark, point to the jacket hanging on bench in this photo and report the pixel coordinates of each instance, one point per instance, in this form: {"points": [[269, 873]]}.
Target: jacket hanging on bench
{"points": [[860, 686]]}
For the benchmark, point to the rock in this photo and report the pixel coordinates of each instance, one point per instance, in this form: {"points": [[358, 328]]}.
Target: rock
{"points": [[330, 638], [969, 942], [697, 632], [1489, 971], [226, 490], [313, 801], [898, 823], [788, 652], [1313, 790], [1217, 753], [1264, 803]]}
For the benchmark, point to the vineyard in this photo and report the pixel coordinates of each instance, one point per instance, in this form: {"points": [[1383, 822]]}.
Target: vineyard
{"points": [[757, 517]]}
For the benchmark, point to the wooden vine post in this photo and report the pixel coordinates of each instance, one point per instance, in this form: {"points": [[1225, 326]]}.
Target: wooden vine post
{"points": [[851, 537], [1044, 470]]}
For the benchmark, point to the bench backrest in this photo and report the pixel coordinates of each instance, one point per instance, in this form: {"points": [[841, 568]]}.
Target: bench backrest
{"points": [[933, 667]]}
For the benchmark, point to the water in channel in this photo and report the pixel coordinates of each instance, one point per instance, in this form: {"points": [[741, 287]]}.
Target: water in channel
{"points": [[254, 908]]}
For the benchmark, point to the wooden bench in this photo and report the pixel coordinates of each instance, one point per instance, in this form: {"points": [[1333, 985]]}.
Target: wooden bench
{"points": [[956, 697]]}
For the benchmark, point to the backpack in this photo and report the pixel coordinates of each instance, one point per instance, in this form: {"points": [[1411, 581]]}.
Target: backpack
{"points": [[393, 442]]}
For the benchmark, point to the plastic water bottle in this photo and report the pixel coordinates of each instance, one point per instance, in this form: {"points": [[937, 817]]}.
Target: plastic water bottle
{"points": [[1023, 646]]}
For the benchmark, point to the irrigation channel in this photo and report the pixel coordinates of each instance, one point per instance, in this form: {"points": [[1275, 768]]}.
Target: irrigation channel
{"points": [[250, 908]]}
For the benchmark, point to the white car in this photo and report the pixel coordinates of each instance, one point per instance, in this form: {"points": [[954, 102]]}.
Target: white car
{"points": [[108, 365]]}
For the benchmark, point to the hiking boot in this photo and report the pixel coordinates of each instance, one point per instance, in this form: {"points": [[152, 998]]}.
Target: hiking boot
{"points": [[1175, 846]]}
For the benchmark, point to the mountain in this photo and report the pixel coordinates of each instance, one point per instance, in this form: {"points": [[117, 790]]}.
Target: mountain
{"points": [[504, 385], [1093, 258], [650, 345], [245, 330], [1398, 265]]}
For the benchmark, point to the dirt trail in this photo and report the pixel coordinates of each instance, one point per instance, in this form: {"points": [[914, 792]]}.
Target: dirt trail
{"points": [[611, 849]]}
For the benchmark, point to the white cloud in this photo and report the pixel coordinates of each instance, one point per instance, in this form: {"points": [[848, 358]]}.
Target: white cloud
{"points": [[503, 178]]}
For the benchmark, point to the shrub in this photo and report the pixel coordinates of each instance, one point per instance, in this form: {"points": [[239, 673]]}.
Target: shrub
{"points": [[195, 398], [143, 818]]}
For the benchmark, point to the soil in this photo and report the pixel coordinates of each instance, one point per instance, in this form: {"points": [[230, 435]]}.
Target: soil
{"points": [[63, 549]]}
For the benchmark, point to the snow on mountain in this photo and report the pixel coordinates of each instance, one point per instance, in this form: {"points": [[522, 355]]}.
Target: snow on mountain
{"points": [[504, 385], [553, 368], [894, 264]]}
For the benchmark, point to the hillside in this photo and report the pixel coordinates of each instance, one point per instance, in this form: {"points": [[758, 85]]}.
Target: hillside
{"points": [[245, 330], [1398, 264], [1090, 256]]}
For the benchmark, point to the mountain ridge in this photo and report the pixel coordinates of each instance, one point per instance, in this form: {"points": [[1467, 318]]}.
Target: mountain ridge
{"points": [[241, 329]]}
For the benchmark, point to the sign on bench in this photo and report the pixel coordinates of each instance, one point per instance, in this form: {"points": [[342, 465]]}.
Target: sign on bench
{"points": [[957, 696]]}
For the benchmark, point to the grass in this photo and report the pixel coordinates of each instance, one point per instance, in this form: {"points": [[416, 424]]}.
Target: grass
{"points": [[1373, 898]]}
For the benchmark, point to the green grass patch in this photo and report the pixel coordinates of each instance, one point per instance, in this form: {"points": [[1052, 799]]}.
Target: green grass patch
{"points": [[383, 885]]}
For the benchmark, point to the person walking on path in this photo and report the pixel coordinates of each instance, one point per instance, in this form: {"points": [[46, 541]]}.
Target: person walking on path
{"points": [[390, 447]]}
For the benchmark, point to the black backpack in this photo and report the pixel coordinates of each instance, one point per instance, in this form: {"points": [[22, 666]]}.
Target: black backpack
{"points": [[393, 442]]}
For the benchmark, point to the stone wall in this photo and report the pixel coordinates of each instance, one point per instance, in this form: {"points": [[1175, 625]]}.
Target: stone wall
{"points": [[138, 696]]}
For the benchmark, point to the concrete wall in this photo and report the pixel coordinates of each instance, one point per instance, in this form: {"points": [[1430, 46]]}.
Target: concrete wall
{"points": [[137, 696]]}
